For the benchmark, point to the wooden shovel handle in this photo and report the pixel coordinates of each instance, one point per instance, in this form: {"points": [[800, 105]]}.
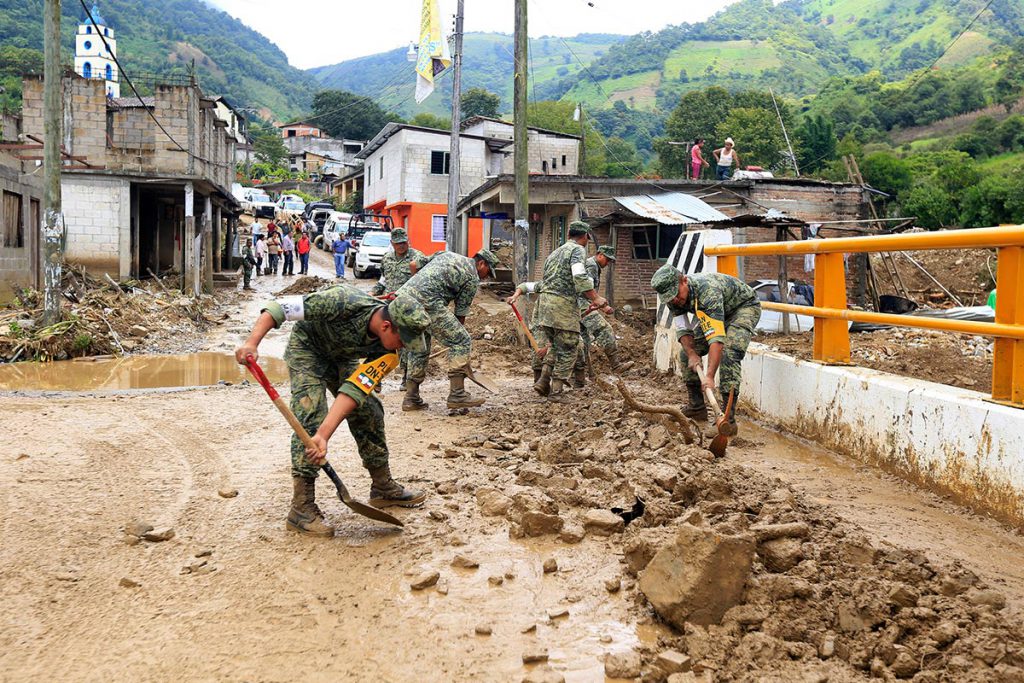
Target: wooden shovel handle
{"points": [[258, 373], [710, 394], [529, 335]]}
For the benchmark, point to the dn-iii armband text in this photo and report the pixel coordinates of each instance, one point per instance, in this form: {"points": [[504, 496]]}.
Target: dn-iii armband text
{"points": [[370, 374]]}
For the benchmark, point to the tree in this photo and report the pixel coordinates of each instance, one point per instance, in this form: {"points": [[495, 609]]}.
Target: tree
{"points": [[697, 115], [428, 120], [758, 137], [558, 116], [268, 147], [479, 102], [886, 172], [622, 160], [1010, 86], [818, 143], [342, 114]]}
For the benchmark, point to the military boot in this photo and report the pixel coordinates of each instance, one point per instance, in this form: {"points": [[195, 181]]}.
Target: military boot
{"points": [[536, 375], [696, 409], [558, 391], [404, 384], [412, 400], [543, 384], [458, 397], [305, 517], [579, 378], [618, 365], [385, 491], [729, 427]]}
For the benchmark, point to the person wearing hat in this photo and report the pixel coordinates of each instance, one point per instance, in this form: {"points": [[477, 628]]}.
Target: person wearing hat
{"points": [[726, 157], [725, 311], [556, 318], [594, 326], [395, 271], [339, 334], [444, 278]]}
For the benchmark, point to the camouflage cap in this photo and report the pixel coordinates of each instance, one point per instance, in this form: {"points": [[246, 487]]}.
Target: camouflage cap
{"points": [[412, 320], [398, 235], [607, 251], [577, 228], [666, 283], [489, 258]]}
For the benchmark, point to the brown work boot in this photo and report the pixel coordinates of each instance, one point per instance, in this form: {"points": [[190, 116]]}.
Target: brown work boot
{"points": [[305, 517], [543, 384], [404, 384], [729, 427], [696, 409], [558, 391], [385, 491], [618, 365], [412, 400], [458, 397], [579, 378], [536, 375]]}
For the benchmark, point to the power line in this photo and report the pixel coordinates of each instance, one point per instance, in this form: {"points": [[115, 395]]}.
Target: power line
{"points": [[391, 82], [967, 28]]}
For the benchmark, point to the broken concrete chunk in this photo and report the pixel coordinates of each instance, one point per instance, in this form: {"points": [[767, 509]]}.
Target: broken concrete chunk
{"points": [[603, 522], [536, 655], [492, 502], [781, 554], [697, 576], [465, 562], [544, 674], [425, 580], [137, 528], [159, 535], [622, 664], [672, 662]]}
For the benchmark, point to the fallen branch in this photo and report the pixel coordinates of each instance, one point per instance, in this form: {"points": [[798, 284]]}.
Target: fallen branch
{"points": [[158, 281], [113, 335], [685, 424]]}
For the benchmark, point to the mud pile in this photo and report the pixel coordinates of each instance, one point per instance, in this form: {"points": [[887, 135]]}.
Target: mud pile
{"points": [[756, 581], [307, 284], [100, 317]]}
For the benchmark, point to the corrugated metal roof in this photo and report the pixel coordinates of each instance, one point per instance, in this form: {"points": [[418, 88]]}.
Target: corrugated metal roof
{"points": [[672, 208]]}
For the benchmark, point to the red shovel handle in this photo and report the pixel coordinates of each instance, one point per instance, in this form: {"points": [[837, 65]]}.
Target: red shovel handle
{"points": [[257, 372]]}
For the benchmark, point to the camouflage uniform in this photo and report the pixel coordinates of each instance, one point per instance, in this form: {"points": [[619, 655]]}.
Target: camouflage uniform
{"points": [[594, 326], [725, 310], [248, 263], [556, 319], [443, 278], [327, 345], [395, 272]]}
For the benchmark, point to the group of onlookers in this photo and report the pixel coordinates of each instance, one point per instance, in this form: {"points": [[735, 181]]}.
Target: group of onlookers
{"points": [[277, 249], [725, 158]]}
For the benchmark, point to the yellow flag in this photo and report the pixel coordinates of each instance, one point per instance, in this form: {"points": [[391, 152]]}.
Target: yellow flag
{"points": [[433, 56]]}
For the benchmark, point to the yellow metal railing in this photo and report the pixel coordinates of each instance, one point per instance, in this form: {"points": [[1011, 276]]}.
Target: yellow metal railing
{"points": [[831, 333]]}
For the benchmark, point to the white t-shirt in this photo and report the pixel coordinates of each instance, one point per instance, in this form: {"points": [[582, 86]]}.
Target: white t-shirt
{"points": [[725, 157]]}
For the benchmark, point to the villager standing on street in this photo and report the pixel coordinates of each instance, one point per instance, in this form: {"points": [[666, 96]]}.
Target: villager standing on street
{"points": [[556, 319], [303, 246], [261, 253], [339, 333], [697, 160], [444, 278], [725, 311], [726, 157], [288, 249], [248, 263], [594, 326], [340, 246], [395, 271], [273, 251]]}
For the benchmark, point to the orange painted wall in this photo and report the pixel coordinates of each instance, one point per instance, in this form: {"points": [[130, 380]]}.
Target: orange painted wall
{"points": [[416, 218]]}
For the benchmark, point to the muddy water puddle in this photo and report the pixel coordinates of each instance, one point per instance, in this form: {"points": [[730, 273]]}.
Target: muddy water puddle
{"points": [[133, 372]]}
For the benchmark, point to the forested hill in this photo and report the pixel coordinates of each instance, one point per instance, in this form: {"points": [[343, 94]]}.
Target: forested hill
{"points": [[159, 37]]}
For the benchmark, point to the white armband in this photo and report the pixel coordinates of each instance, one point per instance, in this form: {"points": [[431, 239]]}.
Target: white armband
{"points": [[530, 287], [293, 308], [579, 270]]}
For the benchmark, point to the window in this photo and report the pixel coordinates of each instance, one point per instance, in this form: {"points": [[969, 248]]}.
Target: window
{"points": [[438, 228], [110, 73], [536, 228], [14, 224], [382, 168], [563, 161], [87, 70], [291, 132], [87, 45], [439, 163], [557, 231], [106, 32], [544, 166], [655, 241], [554, 163], [88, 29]]}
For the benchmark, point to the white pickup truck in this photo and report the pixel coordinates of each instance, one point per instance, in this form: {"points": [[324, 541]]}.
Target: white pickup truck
{"points": [[257, 202]]}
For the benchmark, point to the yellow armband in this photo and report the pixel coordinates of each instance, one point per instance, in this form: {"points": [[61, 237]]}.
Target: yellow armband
{"points": [[370, 374], [711, 328]]}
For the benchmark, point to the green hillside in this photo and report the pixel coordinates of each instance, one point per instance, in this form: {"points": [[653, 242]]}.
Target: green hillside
{"points": [[165, 37], [389, 77]]}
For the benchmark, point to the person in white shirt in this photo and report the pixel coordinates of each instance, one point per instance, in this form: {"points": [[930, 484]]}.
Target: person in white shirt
{"points": [[726, 157]]}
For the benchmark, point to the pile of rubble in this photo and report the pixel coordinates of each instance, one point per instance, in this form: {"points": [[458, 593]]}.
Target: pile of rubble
{"points": [[755, 580], [307, 284], [99, 317]]}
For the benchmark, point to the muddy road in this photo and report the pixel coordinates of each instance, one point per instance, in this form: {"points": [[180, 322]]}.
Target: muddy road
{"points": [[233, 596]]}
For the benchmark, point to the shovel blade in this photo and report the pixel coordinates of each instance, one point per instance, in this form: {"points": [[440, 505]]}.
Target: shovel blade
{"points": [[482, 381], [371, 512], [718, 445]]}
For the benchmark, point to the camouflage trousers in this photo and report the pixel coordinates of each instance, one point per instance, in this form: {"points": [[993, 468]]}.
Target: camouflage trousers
{"points": [[246, 275], [446, 329], [309, 403], [738, 331], [595, 328], [563, 347]]}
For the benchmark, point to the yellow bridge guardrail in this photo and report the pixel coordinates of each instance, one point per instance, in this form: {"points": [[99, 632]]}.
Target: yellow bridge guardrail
{"points": [[831, 333]]}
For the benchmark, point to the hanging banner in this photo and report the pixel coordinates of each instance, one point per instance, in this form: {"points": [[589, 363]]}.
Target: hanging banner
{"points": [[433, 56]]}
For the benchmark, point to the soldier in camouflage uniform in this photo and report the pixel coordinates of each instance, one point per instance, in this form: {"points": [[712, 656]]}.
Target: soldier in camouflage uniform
{"points": [[343, 342], [725, 313], [556, 318], [594, 326], [395, 271], [441, 279], [248, 263]]}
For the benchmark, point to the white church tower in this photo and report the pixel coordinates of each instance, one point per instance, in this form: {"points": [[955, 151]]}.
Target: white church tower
{"points": [[91, 57]]}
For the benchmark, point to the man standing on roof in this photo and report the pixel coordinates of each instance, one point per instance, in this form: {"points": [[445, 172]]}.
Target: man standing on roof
{"points": [[394, 272], [594, 326], [726, 157], [725, 313], [444, 278], [556, 319]]}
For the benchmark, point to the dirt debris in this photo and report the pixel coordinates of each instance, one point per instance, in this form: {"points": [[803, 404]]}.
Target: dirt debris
{"points": [[306, 284]]}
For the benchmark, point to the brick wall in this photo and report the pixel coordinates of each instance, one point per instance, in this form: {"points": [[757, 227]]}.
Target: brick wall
{"points": [[19, 266], [96, 211]]}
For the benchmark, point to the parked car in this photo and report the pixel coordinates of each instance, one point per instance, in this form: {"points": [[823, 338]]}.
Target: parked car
{"points": [[771, 321], [372, 247], [257, 202], [362, 223], [289, 207], [319, 219], [335, 225], [316, 206]]}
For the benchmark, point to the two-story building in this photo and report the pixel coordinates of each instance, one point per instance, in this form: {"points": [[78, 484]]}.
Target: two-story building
{"points": [[21, 199], [405, 173]]}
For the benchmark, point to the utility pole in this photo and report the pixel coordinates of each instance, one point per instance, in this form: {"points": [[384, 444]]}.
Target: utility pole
{"points": [[521, 232], [583, 139], [455, 241], [53, 217]]}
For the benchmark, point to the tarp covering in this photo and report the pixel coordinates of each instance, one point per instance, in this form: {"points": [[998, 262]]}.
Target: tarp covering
{"points": [[672, 208]]}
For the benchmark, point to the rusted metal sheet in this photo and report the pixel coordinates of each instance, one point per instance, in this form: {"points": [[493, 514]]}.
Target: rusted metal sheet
{"points": [[672, 208]]}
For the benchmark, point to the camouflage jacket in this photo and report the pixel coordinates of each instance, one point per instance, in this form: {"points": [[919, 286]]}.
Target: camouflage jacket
{"points": [[714, 300], [594, 273], [565, 279], [394, 271], [332, 330], [443, 278]]}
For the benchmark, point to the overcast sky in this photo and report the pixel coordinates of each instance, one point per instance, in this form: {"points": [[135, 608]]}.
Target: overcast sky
{"points": [[320, 32]]}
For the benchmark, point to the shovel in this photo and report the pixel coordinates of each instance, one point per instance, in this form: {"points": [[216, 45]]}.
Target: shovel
{"points": [[356, 506], [529, 335], [481, 380], [725, 430]]}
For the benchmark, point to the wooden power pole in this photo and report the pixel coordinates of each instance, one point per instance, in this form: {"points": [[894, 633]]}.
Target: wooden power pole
{"points": [[521, 232], [53, 217], [455, 241]]}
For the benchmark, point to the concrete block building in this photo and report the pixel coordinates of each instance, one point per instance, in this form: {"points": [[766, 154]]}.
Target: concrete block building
{"points": [[21, 201]]}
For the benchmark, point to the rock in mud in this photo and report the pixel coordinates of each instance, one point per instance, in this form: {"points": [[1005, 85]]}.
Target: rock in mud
{"points": [[613, 585], [159, 535], [558, 450], [603, 522], [535, 655], [781, 554], [550, 565], [483, 630], [137, 528], [558, 613], [465, 562], [544, 674], [945, 633], [993, 599], [496, 580], [535, 513], [673, 662], [622, 664], [657, 437], [125, 582], [572, 533], [228, 493], [539, 523], [492, 502], [425, 580], [697, 576]]}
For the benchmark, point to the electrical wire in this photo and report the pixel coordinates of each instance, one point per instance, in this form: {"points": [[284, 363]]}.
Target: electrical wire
{"points": [[960, 35]]}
